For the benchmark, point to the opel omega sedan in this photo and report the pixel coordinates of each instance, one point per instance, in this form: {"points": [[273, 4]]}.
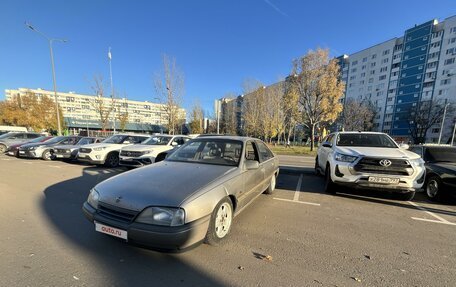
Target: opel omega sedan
{"points": [[190, 197]]}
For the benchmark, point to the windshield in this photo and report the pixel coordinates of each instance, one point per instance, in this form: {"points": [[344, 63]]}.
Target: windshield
{"points": [[220, 152], [7, 135], [157, 140], [442, 154], [54, 140], [365, 140], [84, 141], [115, 139]]}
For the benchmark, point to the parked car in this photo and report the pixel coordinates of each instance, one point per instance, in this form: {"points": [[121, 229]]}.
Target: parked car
{"points": [[45, 149], [70, 152], [190, 197], [369, 160], [13, 138], [156, 147], [13, 150], [107, 152], [440, 162]]}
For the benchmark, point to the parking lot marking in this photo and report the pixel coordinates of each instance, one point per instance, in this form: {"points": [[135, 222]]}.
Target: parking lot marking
{"points": [[296, 195], [298, 189], [440, 219]]}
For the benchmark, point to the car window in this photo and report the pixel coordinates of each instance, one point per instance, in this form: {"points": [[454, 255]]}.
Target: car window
{"points": [[179, 141], [365, 140], [32, 136], [137, 140], [440, 154], [251, 152], [264, 151]]}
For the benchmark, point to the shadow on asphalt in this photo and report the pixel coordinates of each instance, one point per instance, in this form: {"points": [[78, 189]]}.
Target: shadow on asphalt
{"points": [[122, 264]]}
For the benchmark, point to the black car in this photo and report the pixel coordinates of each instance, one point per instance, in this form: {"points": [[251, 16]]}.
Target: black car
{"points": [[440, 162]]}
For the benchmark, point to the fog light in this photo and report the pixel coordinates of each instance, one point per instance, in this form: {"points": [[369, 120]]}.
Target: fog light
{"points": [[97, 157]]}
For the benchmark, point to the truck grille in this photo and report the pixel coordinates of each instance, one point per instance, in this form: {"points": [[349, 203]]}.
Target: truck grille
{"points": [[116, 213], [131, 153], [85, 150], [372, 165]]}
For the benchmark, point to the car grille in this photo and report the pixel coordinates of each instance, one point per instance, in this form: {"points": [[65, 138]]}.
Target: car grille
{"points": [[116, 213], [59, 150], [372, 165], [85, 150], [131, 153]]}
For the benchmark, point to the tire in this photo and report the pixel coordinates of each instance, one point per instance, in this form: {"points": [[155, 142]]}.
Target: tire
{"points": [[317, 168], [46, 155], [3, 148], [272, 185], [330, 186], [160, 157], [405, 196], [433, 188], [112, 160], [220, 222]]}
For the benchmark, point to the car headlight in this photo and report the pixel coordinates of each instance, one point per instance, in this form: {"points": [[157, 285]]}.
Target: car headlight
{"points": [[417, 162], [93, 198], [99, 148], [166, 216], [33, 147], [344, 157]]}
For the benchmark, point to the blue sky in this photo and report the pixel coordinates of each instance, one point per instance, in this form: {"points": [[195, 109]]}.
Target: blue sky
{"points": [[217, 44]]}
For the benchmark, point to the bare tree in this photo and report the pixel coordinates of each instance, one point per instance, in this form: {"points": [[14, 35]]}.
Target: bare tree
{"points": [[229, 121], [358, 115], [319, 88], [122, 114], [423, 116], [169, 86], [102, 106], [196, 118]]}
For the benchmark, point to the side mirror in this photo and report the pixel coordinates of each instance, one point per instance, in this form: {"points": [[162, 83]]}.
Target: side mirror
{"points": [[404, 146], [327, 144], [174, 144], [251, 164]]}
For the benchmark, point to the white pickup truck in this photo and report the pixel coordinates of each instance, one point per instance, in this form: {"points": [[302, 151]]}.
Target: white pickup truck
{"points": [[369, 160]]}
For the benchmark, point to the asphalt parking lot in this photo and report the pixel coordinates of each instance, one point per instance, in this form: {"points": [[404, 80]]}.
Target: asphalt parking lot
{"points": [[299, 236]]}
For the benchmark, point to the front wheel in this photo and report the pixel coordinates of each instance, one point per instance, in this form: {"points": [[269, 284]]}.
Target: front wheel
{"points": [[47, 155], [112, 160], [330, 186], [434, 188], [220, 223], [2, 148]]}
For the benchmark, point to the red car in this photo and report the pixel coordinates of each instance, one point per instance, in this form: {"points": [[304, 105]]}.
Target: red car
{"points": [[13, 150]]}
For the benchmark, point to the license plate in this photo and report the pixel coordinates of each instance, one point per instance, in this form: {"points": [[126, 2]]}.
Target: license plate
{"points": [[125, 158], [82, 155], [21, 152], [385, 180], [111, 230]]}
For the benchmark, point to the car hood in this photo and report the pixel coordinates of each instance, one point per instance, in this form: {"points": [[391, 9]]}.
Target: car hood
{"points": [[142, 147], [35, 145], [448, 166], [162, 184], [66, 146], [95, 145], [377, 152]]}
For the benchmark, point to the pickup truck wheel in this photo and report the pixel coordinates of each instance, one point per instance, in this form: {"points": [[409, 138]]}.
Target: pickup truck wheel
{"points": [[3, 148], [220, 222], [405, 196], [272, 185], [330, 186], [317, 168], [433, 188], [112, 160]]}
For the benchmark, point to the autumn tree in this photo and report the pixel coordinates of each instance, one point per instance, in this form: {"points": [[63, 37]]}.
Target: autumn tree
{"points": [[358, 115], [423, 116], [122, 115], [103, 106], [169, 86], [35, 113], [318, 87], [290, 103], [196, 119]]}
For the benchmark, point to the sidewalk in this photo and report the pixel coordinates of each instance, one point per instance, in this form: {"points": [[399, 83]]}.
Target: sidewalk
{"points": [[296, 164]]}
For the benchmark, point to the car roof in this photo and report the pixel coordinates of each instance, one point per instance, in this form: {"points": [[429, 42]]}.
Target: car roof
{"points": [[360, 132], [219, 137]]}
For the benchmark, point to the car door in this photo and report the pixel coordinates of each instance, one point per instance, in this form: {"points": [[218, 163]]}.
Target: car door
{"points": [[253, 178], [267, 162], [323, 151]]}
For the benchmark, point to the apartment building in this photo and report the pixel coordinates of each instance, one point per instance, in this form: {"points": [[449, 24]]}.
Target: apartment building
{"points": [[79, 111], [398, 74]]}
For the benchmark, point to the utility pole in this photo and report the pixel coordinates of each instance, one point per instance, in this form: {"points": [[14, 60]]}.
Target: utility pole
{"points": [[452, 135], [112, 90], [443, 121]]}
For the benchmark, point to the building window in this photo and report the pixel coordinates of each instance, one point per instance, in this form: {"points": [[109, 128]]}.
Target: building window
{"points": [[435, 45], [354, 63], [445, 82], [449, 61], [363, 75], [452, 40], [373, 64], [382, 77], [353, 70], [372, 72], [383, 69], [386, 52], [364, 59]]}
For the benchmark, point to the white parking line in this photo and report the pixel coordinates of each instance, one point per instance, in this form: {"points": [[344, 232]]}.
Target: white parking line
{"points": [[296, 195], [440, 219]]}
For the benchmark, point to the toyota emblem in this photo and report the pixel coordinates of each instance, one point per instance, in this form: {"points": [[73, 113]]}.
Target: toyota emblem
{"points": [[385, 162]]}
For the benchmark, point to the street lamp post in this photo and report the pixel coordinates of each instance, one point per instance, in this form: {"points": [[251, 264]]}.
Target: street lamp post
{"points": [[50, 40], [112, 90], [443, 121]]}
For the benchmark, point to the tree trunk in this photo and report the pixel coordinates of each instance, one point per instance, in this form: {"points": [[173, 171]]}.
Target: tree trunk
{"points": [[312, 132]]}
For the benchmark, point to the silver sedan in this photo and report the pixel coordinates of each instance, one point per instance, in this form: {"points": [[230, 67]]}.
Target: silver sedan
{"points": [[189, 198]]}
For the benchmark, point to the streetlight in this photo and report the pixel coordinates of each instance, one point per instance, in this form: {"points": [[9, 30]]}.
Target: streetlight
{"points": [[50, 40], [443, 120]]}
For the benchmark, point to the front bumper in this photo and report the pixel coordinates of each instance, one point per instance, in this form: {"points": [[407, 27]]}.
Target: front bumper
{"points": [[345, 174], [72, 155], [136, 162], [156, 237], [30, 153], [91, 158]]}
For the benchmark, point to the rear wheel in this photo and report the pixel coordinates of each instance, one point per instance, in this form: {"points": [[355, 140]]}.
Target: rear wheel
{"points": [[47, 155], [330, 186], [220, 223], [434, 188], [272, 185], [3, 148], [112, 160]]}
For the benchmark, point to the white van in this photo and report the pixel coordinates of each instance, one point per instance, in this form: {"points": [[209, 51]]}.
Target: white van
{"points": [[6, 129]]}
